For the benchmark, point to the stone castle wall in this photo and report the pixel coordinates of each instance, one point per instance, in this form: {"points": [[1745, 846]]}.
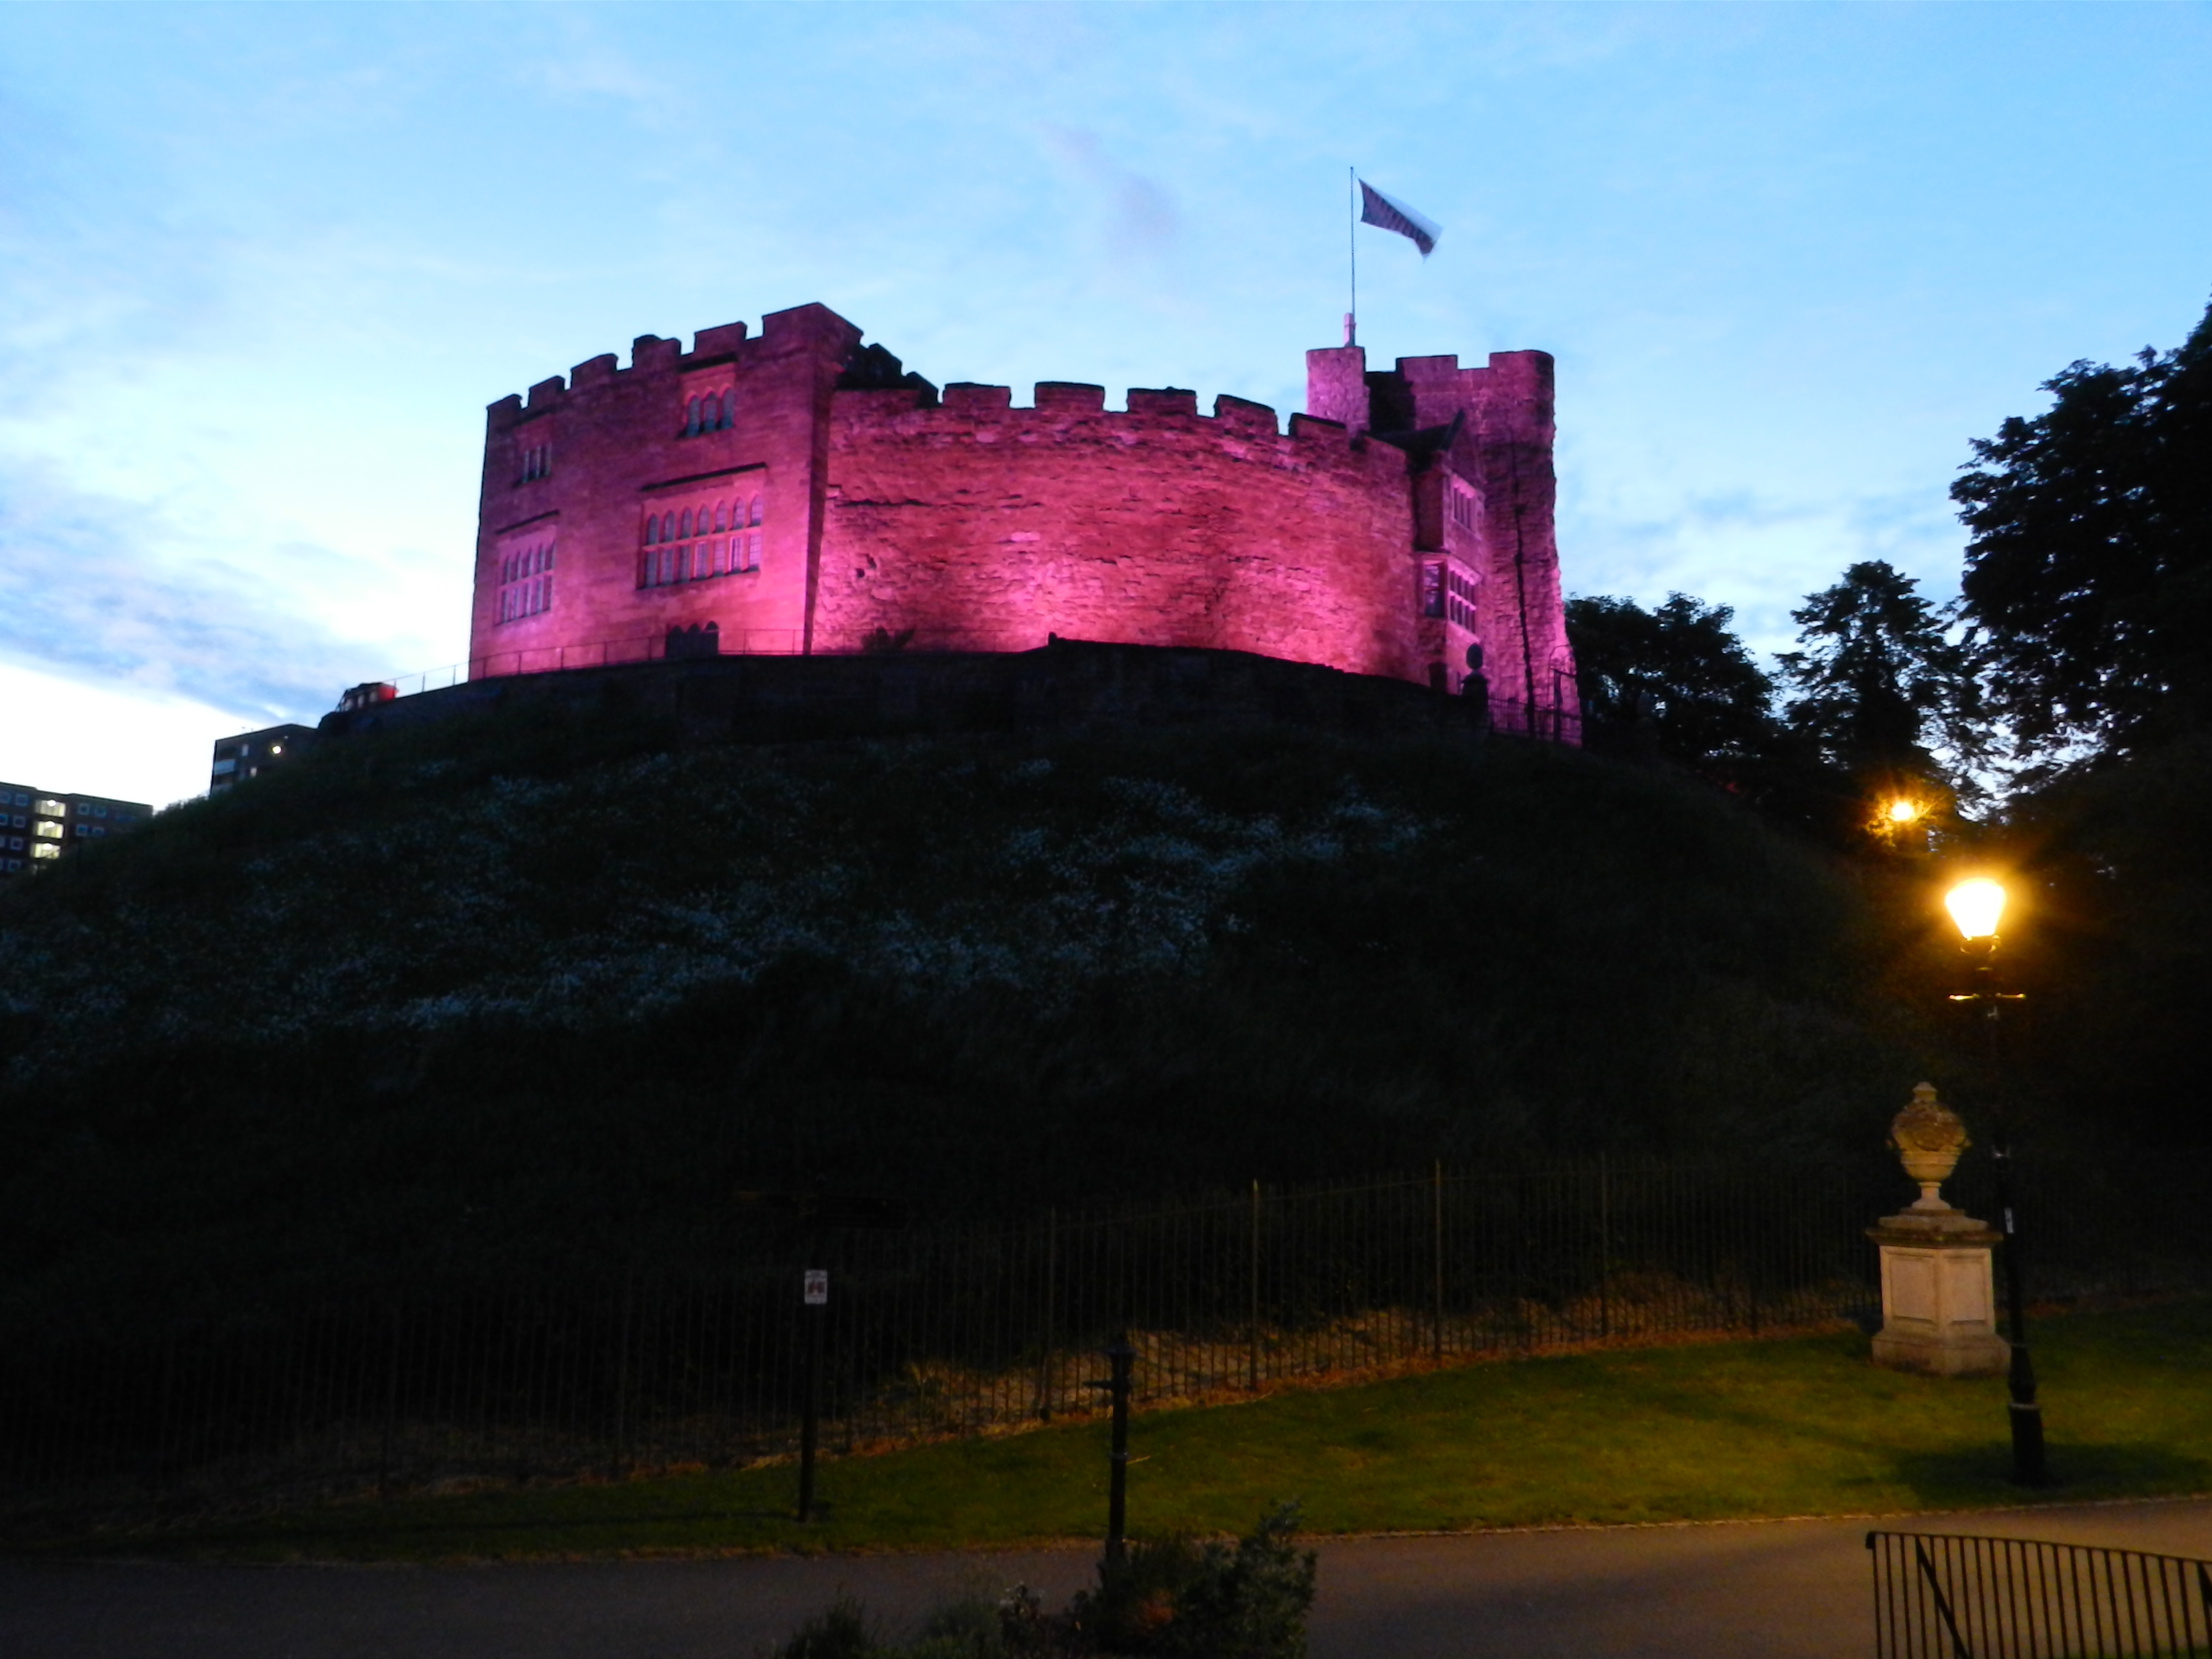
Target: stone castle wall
{"points": [[984, 527], [825, 502]]}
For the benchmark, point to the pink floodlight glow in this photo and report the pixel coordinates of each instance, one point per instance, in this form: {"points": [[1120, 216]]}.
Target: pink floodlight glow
{"points": [[835, 503]]}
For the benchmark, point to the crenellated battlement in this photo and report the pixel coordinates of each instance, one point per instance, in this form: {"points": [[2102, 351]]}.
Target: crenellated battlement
{"points": [[783, 334], [1403, 517], [1067, 408]]}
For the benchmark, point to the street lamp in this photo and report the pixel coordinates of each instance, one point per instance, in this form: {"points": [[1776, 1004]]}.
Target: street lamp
{"points": [[1976, 907]]}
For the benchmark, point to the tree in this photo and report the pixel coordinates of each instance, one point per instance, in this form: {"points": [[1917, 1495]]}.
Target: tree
{"points": [[2088, 580], [1677, 670], [1881, 689]]}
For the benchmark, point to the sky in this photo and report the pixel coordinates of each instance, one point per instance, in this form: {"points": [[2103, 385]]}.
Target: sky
{"points": [[262, 267]]}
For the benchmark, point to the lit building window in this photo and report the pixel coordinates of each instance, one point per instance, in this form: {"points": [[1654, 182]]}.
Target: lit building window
{"points": [[46, 849], [48, 831], [51, 808]]}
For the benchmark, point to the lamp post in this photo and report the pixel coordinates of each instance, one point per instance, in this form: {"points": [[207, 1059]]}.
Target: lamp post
{"points": [[1976, 907]]}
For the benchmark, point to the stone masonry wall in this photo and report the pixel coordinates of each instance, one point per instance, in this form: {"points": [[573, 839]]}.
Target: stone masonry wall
{"points": [[982, 527], [617, 444]]}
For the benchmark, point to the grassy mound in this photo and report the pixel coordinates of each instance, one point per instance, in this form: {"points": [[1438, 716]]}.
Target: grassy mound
{"points": [[503, 991]]}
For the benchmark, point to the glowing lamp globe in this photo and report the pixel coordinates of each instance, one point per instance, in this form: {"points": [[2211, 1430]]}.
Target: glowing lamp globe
{"points": [[1903, 811], [1976, 906]]}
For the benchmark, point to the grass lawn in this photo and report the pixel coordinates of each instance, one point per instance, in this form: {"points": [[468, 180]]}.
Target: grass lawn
{"points": [[1801, 1426]]}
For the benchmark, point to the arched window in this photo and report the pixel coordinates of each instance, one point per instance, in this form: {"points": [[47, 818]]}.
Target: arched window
{"points": [[721, 515], [668, 526], [730, 407], [691, 417], [757, 510], [683, 525]]}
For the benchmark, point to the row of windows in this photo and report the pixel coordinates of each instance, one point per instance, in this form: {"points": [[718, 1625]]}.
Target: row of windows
{"points": [[528, 562], [527, 600], [714, 412], [1448, 592], [679, 526], [718, 556], [1460, 591], [40, 849], [1461, 501], [537, 463], [51, 827], [526, 577]]}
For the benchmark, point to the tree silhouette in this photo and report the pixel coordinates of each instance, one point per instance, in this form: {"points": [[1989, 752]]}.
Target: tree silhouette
{"points": [[1676, 675], [2088, 580], [1881, 689]]}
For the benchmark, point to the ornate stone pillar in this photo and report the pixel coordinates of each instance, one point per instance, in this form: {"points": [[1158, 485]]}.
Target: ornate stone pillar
{"points": [[1938, 1302]]}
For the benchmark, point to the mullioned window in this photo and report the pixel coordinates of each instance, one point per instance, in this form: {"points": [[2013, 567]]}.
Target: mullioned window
{"points": [[526, 581], [710, 538]]}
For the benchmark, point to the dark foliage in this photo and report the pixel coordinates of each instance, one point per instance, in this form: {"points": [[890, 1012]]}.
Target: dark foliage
{"points": [[2114, 944], [496, 1000], [1879, 688], [1173, 1598], [2088, 577], [840, 1631], [1676, 676]]}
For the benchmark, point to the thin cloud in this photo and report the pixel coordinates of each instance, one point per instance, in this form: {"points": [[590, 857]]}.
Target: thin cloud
{"points": [[87, 591], [1139, 212]]}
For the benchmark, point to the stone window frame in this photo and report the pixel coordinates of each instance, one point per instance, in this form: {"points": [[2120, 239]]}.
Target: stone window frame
{"points": [[704, 533], [525, 570]]}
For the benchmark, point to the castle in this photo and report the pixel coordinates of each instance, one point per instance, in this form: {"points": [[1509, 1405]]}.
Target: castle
{"points": [[796, 492]]}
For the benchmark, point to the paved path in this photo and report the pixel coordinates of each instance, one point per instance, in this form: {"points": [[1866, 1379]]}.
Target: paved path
{"points": [[1776, 1589]]}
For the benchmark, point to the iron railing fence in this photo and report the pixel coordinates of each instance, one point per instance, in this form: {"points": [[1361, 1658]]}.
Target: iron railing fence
{"points": [[946, 1332], [1944, 1596]]}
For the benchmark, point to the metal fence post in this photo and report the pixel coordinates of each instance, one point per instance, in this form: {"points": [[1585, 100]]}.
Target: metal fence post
{"points": [[1252, 1325], [1604, 1248], [1044, 1347], [814, 1297], [1119, 1356], [1437, 1223]]}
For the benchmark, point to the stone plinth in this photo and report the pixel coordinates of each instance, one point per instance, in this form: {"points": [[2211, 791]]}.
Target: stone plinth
{"points": [[1938, 1302]]}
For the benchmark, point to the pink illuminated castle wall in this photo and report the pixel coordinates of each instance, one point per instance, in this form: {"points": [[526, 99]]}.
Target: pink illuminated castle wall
{"points": [[798, 493]]}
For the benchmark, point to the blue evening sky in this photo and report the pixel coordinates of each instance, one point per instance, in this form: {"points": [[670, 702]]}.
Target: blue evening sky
{"points": [[261, 268]]}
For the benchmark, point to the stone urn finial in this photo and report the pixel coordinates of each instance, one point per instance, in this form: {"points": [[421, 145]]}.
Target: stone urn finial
{"points": [[1927, 1137]]}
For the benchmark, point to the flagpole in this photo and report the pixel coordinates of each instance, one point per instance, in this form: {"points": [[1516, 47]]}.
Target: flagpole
{"points": [[1352, 241]]}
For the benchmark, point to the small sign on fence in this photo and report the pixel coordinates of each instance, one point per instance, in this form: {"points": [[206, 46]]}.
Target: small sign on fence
{"points": [[817, 1287]]}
